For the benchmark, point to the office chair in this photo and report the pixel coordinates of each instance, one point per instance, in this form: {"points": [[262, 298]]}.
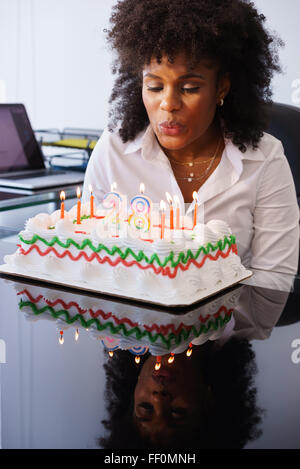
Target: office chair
{"points": [[285, 125]]}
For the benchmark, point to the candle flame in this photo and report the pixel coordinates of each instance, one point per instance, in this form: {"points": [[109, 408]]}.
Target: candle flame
{"points": [[142, 188], [62, 195], [176, 200], [90, 188], [61, 338], [162, 206], [76, 335], [158, 363], [195, 196], [171, 358], [111, 354], [78, 192], [137, 359], [169, 198], [189, 350]]}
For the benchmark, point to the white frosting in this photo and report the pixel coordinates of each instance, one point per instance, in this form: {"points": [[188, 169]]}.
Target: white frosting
{"points": [[40, 222], [64, 227], [220, 227]]}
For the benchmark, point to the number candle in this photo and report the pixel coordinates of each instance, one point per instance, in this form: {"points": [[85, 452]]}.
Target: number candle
{"points": [[169, 199], [176, 202], [91, 201], [195, 197], [62, 205], [78, 206], [141, 206], [113, 202], [163, 218]]}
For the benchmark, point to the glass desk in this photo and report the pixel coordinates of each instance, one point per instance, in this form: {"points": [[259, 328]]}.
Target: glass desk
{"points": [[15, 207], [239, 387]]}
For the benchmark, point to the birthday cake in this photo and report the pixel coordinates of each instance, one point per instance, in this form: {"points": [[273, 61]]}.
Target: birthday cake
{"points": [[162, 264]]}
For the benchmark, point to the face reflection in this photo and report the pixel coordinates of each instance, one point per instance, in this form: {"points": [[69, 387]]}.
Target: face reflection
{"points": [[181, 103], [170, 401]]}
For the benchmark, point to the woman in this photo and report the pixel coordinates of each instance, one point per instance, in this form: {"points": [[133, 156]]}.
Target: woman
{"points": [[205, 401], [187, 116]]}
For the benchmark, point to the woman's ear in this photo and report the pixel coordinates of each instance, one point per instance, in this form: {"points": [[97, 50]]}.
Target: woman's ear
{"points": [[224, 84]]}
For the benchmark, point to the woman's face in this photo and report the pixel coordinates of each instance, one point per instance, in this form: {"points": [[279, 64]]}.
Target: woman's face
{"points": [[181, 103], [171, 400]]}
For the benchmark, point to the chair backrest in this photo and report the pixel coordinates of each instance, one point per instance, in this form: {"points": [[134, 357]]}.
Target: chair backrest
{"points": [[285, 125]]}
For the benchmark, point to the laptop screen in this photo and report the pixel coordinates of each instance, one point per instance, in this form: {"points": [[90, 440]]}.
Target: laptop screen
{"points": [[19, 149]]}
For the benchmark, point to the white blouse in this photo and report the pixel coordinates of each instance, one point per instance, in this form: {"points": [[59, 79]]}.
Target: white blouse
{"points": [[253, 192]]}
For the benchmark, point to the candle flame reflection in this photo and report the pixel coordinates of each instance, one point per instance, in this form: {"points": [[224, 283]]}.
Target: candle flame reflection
{"points": [[169, 198], [162, 206]]}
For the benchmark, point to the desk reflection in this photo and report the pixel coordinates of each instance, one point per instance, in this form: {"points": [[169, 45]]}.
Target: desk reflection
{"points": [[183, 379]]}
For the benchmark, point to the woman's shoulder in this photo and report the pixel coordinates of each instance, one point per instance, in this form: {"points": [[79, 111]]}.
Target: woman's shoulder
{"points": [[270, 147]]}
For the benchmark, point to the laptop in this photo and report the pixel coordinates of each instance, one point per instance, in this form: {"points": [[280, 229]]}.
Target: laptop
{"points": [[21, 159]]}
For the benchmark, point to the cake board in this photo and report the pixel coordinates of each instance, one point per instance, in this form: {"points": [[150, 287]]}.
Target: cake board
{"points": [[199, 296]]}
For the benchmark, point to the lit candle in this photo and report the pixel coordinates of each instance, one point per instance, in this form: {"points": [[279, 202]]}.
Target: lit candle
{"points": [[140, 218], [195, 197], [176, 202], [189, 350], [171, 358], [61, 337], [157, 364], [62, 205], [163, 219], [169, 199], [113, 203], [91, 201], [78, 206]]}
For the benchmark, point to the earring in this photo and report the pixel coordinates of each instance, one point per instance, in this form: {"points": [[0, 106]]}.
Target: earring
{"points": [[221, 102]]}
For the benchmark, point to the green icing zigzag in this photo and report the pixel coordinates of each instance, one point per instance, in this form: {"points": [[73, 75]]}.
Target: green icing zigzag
{"points": [[135, 331], [140, 256]]}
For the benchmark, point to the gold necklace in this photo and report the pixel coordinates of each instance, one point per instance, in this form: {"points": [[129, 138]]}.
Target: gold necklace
{"points": [[191, 163], [191, 176]]}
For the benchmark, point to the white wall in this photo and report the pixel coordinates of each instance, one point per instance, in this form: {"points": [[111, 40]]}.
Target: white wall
{"points": [[53, 57]]}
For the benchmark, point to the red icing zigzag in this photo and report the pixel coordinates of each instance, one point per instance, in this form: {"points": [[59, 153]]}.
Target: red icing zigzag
{"points": [[160, 329], [157, 270]]}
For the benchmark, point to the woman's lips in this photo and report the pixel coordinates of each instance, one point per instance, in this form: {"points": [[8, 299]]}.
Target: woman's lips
{"points": [[170, 128]]}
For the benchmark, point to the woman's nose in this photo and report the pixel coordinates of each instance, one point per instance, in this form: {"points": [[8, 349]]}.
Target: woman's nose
{"points": [[170, 101]]}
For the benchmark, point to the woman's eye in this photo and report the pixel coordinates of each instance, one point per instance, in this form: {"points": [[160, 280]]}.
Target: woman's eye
{"points": [[154, 88], [178, 413], [191, 90]]}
